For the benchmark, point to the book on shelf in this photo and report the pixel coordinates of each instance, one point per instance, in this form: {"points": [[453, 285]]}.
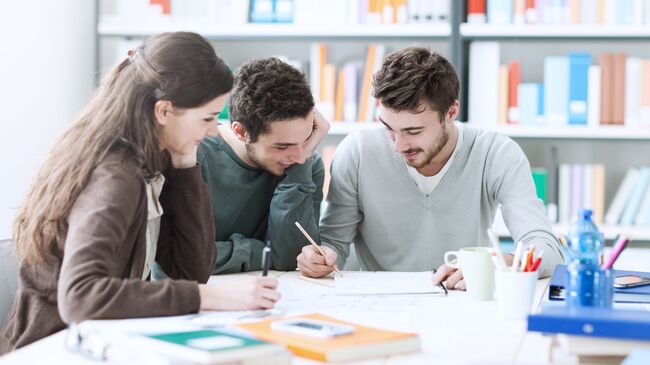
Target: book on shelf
{"points": [[606, 12], [640, 294], [365, 342], [631, 203], [581, 186], [574, 91]]}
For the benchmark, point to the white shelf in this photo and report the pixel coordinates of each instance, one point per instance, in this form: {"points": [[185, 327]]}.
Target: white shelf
{"points": [[573, 132], [609, 231], [553, 31], [344, 128], [134, 29]]}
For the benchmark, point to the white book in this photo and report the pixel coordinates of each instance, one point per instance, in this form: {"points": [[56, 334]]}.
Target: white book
{"points": [[387, 13], [632, 91], [587, 187], [588, 12], [233, 12], [564, 193], [622, 196], [484, 61], [646, 12], [610, 12], [315, 68], [643, 216], [413, 10], [593, 96], [303, 11], [426, 11], [636, 197], [402, 13], [352, 12], [637, 12]]}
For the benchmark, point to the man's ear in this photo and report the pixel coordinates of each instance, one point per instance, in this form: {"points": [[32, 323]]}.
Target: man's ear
{"points": [[239, 131], [162, 110], [452, 113]]}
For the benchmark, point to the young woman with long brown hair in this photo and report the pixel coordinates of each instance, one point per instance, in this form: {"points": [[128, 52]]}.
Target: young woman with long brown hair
{"points": [[121, 189]]}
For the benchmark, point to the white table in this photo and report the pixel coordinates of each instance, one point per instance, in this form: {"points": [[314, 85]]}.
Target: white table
{"points": [[453, 329]]}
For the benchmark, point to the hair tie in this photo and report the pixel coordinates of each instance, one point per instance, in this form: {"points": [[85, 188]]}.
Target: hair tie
{"points": [[133, 53]]}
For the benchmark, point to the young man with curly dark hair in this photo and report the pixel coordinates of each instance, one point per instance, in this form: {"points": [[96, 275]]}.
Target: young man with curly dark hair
{"points": [[426, 184], [262, 169]]}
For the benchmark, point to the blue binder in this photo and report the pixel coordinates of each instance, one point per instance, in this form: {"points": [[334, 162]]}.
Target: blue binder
{"points": [[640, 294], [595, 322]]}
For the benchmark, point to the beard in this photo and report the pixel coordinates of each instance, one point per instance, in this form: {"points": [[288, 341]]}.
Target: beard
{"points": [[432, 151], [259, 163]]}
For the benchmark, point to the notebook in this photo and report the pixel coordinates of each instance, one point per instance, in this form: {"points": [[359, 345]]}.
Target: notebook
{"points": [[639, 294], [384, 282], [365, 342]]}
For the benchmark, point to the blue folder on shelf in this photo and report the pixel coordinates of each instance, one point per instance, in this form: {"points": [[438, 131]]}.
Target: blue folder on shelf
{"points": [[640, 294], [595, 322]]}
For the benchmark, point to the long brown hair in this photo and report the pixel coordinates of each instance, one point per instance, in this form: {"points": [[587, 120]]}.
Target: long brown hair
{"points": [[179, 67]]}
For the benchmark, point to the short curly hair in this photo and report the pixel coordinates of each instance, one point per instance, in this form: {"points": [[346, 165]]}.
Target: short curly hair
{"points": [[268, 90], [413, 76]]}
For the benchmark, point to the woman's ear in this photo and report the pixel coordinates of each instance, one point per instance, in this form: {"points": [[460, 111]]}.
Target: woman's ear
{"points": [[162, 110], [239, 131]]}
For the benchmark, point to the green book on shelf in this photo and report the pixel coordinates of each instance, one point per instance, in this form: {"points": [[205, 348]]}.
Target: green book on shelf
{"points": [[540, 177], [214, 347]]}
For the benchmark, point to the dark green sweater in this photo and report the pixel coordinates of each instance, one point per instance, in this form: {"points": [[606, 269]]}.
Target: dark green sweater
{"points": [[251, 206]]}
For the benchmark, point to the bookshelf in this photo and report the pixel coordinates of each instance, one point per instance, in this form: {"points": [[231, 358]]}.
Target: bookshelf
{"points": [[117, 28], [528, 43], [511, 31]]}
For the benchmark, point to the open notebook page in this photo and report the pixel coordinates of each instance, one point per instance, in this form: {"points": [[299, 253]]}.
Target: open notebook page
{"points": [[385, 282]]}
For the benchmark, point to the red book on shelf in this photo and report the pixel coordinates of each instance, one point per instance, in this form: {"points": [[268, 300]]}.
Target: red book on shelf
{"points": [[606, 84], [476, 11], [514, 79], [165, 4]]}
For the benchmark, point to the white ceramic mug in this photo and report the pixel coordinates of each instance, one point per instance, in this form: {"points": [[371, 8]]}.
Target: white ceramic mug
{"points": [[478, 270]]}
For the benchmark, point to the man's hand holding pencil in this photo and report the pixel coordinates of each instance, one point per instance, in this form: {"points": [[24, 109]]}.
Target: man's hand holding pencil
{"points": [[316, 261]]}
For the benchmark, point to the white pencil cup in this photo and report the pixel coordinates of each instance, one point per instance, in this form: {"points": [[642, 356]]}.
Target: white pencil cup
{"points": [[515, 292]]}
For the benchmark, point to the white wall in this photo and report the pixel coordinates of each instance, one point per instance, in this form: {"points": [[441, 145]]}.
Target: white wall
{"points": [[46, 76]]}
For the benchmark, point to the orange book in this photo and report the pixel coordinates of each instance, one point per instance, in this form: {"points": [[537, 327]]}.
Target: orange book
{"points": [[364, 92], [165, 4], [618, 96], [598, 192], [339, 99], [365, 342], [322, 64], [514, 79], [574, 11]]}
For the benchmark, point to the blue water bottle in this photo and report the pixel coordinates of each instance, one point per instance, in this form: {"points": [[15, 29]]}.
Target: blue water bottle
{"points": [[587, 284]]}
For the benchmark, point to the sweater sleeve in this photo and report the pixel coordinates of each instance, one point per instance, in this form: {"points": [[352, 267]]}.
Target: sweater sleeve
{"points": [[510, 183], [186, 247], [107, 211], [343, 214], [297, 198]]}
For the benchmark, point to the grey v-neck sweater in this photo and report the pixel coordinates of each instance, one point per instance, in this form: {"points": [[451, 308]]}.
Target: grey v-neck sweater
{"points": [[375, 203]]}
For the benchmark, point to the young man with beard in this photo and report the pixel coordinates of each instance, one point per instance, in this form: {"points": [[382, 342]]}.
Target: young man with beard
{"points": [[426, 184], [262, 172]]}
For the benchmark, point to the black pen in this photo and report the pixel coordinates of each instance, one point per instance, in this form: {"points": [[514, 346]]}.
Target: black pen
{"points": [[441, 285], [266, 258]]}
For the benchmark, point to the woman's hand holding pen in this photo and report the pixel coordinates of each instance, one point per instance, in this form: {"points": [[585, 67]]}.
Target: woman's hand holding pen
{"points": [[247, 293], [454, 277], [311, 263]]}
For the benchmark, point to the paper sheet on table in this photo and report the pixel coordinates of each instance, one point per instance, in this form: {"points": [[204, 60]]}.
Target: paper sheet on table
{"points": [[385, 282]]}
